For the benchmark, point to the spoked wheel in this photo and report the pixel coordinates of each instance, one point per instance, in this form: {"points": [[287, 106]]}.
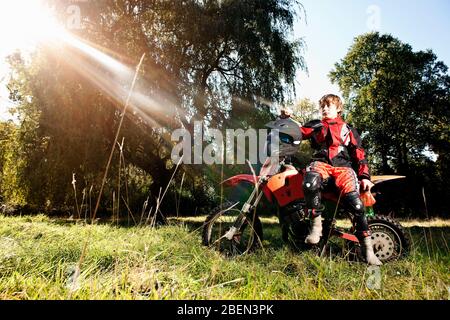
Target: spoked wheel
{"points": [[390, 241], [217, 224]]}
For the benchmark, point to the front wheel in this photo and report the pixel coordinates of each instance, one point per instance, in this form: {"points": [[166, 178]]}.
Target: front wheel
{"points": [[389, 239], [247, 239]]}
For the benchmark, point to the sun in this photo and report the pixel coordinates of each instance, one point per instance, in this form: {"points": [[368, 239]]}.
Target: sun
{"points": [[24, 23]]}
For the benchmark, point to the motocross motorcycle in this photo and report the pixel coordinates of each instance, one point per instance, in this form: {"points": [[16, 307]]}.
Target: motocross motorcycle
{"points": [[235, 227]]}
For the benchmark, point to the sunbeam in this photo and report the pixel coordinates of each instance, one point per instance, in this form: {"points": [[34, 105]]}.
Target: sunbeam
{"points": [[113, 77]]}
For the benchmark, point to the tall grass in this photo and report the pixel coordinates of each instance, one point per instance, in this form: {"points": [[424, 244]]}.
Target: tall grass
{"points": [[39, 259]]}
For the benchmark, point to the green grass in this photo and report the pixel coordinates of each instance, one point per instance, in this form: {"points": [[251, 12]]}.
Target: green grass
{"points": [[39, 257]]}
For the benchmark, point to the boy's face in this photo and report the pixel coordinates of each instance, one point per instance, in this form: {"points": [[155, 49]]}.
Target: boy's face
{"points": [[329, 111]]}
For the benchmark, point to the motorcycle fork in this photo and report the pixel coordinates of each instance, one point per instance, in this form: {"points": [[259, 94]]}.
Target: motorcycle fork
{"points": [[246, 208]]}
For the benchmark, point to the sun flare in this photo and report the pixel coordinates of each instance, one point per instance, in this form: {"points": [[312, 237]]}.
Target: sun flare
{"points": [[24, 23]]}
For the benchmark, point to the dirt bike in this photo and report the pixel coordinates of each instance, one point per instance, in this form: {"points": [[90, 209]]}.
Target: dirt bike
{"points": [[235, 228]]}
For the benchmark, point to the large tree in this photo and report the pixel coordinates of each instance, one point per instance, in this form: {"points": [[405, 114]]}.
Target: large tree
{"points": [[214, 61], [400, 100]]}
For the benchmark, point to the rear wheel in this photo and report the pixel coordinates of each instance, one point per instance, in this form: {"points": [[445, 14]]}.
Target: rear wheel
{"points": [[247, 239], [389, 239]]}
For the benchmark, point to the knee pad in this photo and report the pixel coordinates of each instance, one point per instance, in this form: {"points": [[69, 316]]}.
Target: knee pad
{"points": [[359, 220], [354, 203], [312, 185], [312, 181]]}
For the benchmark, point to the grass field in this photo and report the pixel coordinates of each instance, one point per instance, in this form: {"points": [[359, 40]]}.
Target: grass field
{"points": [[39, 259]]}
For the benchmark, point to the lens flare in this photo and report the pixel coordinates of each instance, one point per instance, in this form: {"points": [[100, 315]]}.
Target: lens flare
{"points": [[24, 23], [88, 49]]}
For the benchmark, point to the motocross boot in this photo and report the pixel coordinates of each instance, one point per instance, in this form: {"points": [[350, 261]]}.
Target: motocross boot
{"points": [[316, 229], [367, 251], [362, 231]]}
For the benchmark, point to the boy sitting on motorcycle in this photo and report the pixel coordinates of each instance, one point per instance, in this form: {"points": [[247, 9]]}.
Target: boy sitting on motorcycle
{"points": [[338, 147]]}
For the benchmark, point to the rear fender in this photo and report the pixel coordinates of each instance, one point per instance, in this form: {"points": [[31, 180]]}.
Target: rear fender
{"points": [[380, 179]]}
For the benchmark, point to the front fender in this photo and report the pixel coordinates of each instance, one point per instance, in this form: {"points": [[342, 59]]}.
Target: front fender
{"points": [[238, 179], [235, 180]]}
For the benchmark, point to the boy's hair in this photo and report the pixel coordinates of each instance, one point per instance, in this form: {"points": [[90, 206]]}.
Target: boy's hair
{"points": [[332, 98]]}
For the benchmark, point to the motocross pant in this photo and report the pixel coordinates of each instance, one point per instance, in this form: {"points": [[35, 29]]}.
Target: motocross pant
{"points": [[347, 183]]}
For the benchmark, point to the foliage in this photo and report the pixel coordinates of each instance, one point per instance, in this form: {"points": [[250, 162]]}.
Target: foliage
{"points": [[10, 164], [305, 110], [214, 61], [400, 100]]}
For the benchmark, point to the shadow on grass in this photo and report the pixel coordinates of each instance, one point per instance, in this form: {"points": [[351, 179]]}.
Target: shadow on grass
{"points": [[271, 232], [123, 223]]}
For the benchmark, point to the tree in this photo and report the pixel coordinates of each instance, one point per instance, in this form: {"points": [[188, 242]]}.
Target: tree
{"points": [[9, 164], [207, 60], [305, 110], [400, 100]]}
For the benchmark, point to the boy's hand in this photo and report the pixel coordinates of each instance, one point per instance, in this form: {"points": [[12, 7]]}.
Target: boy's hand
{"points": [[285, 113], [366, 185]]}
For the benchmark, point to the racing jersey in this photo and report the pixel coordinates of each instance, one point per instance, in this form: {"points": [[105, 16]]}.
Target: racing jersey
{"points": [[338, 144]]}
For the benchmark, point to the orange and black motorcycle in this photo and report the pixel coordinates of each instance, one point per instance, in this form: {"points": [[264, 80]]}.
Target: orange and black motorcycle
{"points": [[235, 227]]}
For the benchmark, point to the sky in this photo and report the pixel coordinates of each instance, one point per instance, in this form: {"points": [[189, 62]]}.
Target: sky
{"points": [[328, 31], [332, 25]]}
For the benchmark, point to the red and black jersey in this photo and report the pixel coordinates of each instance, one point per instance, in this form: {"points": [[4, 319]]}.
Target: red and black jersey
{"points": [[338, 144]]}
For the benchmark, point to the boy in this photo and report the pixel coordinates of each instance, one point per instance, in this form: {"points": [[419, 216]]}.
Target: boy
{"points": [[338, 147]]}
